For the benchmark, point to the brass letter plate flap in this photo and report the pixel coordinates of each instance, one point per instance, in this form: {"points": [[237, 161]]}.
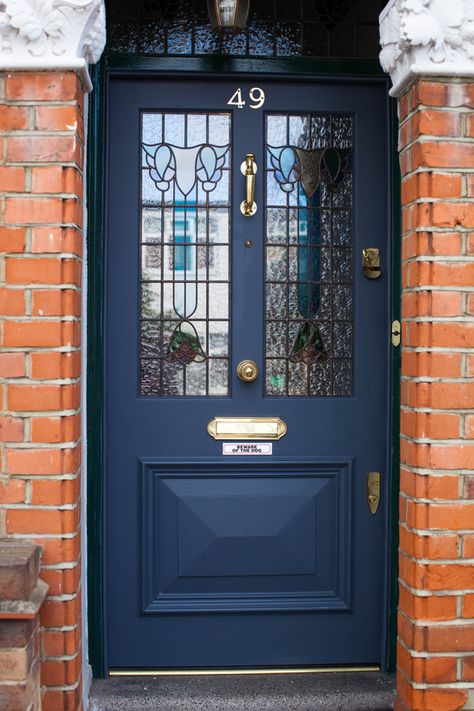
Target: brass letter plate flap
{"points": [[247, 428]]}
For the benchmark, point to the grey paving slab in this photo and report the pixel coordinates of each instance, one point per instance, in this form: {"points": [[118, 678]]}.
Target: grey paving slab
{"points": [[367, 691]]}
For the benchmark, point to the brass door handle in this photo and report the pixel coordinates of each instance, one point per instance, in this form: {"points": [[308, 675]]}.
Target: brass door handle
{"points": [[247, 371], [248, 208]]}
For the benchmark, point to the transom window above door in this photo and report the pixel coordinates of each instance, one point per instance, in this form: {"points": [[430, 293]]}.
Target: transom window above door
{"points": [[276, 28]]}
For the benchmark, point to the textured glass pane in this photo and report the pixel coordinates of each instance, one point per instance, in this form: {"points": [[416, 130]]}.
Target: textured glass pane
{"points": [[277, 263], [276, 301], [309, 258], [342, 193], [298, 379], [151, 262], [172, 379], [342, 227], [277, 225], [152, 223], [219, 304], [342, 301], [277, 127], [320, 131], [217, 228], [342, 378], [218, 376], [152, 128], [275, 377], [261, 39], [219, 129], [197, 127], [342, 131], [150, 377], [342, 339], [185, 254], [287, 39], [180, 38], [151, 300], [299, 133], [294, 256], [151, 341], [342, 265], [196, 374], [276, 339], [274, 194], [218, 338], [320, 380]]}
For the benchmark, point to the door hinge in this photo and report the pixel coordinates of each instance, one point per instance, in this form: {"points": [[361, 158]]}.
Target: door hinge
{"points": [[396, 333]]}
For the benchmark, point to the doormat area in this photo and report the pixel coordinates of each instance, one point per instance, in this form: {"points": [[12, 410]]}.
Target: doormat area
{"points": [[364, 691]]}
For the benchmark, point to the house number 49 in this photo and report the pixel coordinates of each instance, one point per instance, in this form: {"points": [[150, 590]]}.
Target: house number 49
{"points": [[256, 98]]}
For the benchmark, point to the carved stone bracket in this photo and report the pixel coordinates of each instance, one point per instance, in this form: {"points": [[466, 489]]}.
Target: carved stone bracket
{"points": [[426, 38], [52, 34]]}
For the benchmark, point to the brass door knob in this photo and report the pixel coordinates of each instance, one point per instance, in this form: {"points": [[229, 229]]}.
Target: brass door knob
{"points": [[247, 370]]}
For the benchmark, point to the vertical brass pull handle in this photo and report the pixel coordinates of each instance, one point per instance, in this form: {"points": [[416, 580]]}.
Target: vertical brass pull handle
{"points": [[248, 208]]}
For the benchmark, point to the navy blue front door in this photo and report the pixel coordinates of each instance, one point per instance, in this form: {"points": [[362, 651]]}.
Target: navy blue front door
{"points": [[245, 560]]}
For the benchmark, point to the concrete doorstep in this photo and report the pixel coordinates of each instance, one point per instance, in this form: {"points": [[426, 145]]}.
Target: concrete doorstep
{"points": [[363, 691]]}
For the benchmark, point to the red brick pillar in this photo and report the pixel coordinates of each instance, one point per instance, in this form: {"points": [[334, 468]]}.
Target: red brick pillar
{"points": [[21, 597], [436, 615], [41, 222]]}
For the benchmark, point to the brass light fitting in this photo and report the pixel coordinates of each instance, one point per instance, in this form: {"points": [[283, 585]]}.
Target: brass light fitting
{"points": [[228, 14]]}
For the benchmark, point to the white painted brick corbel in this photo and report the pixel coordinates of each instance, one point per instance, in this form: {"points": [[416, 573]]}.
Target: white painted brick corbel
{"points": [[38, 35], [426, 38]]}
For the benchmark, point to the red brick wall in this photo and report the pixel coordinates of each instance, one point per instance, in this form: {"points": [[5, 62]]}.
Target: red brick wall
{"points": [[436, 616], [41, 161]]}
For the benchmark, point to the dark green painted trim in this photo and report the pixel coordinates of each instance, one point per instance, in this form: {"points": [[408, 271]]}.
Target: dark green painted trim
{"points": [[95, 230], [293, 66], [329, 69], [396, 219]]}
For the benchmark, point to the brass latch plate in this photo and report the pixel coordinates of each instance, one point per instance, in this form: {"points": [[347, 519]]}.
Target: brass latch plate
{"points": [[396, 333], [373, 491], [261, 428], [371, 262]]}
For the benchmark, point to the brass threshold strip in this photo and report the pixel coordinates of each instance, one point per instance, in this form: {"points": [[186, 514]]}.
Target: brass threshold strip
{"points": [[239, 672]]}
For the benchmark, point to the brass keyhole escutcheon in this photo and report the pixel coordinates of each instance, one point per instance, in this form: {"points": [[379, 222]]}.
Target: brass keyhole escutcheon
{"points": [[247, 370]]}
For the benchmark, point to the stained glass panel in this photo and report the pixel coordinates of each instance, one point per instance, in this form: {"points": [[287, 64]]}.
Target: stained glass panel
{"points": [[185, 240], [309, 260]]}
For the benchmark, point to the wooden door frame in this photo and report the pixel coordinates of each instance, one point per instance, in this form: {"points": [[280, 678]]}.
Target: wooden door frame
{"points": [[330, 70]]}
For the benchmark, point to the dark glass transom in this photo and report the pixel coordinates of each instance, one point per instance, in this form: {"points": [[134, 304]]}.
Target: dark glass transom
{"points": [[276, 28]]}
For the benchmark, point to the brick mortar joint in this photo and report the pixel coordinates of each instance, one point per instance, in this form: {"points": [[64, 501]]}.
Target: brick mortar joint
{"points": [[426, 138]]}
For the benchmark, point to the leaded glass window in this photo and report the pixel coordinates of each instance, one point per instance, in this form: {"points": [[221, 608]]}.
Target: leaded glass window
{"points": [[309, 260], [185, 260], [276, 28]]}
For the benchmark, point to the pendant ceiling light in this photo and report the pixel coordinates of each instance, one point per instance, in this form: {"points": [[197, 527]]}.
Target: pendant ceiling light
{"points": [[228, 14]]}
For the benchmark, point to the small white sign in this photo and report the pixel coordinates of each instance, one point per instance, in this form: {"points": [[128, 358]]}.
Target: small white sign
{"points": [[247, 448]]}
